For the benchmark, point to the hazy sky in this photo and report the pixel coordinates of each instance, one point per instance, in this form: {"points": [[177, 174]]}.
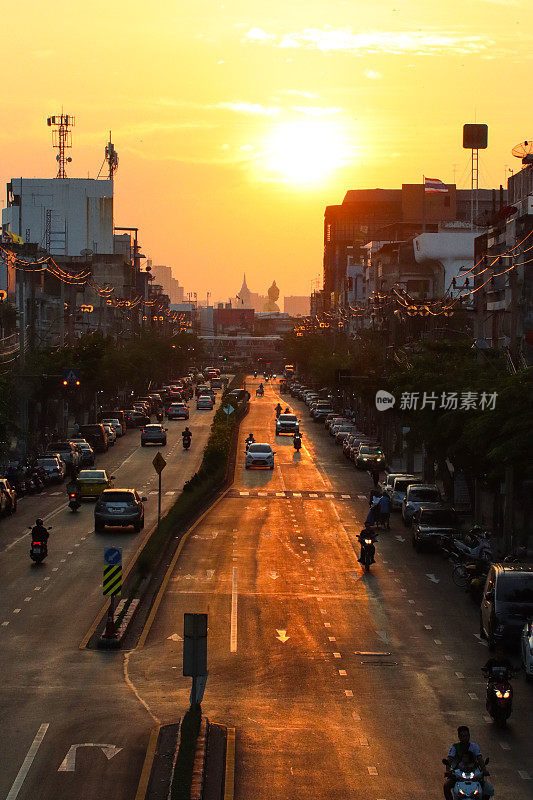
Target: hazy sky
{"points": [[236, 123]]}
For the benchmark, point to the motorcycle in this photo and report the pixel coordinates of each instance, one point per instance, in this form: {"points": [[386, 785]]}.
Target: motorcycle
{"points": [[186, 442], [248, 442], [160, 416], [297, 441], [368, 550], [38, 550], [468, 785], [74, 501], [259, 392], [499, 702]]}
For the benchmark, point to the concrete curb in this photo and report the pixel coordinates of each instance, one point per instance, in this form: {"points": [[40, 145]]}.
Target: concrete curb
{"points": [[198, 770]]}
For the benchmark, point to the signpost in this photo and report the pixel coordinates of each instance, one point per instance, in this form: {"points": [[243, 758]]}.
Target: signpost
{"points": [[112, 586], [227, 411], [159, 465], [195, 654]]}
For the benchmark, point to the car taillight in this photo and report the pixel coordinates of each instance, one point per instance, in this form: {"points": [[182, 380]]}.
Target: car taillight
{"points": [[143, 431]]}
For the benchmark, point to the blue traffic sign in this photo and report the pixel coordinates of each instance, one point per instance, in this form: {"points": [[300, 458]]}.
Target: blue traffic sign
{"points": [[71, 375], [112, 556]]}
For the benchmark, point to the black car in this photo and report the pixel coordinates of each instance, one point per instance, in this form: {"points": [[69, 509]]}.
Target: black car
{"points": [[432, 525], [507, 602], [136, 419]]}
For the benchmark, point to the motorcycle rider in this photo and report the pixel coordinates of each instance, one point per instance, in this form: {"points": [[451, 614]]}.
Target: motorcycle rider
{"points": [[455, 756], [297, 440], [469, 766], [39, 533], [261, 389], [250, 439], [367, 533], [287, 410], [278, 410], [186, 434]]}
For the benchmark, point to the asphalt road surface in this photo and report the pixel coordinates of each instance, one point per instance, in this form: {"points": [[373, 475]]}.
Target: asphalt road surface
{"points": [[53, 695], [339, 684]]}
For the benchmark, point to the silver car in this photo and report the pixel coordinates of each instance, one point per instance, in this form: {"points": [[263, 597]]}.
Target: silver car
{"points": [[417, 495], [153, 434], [399, 489], [259, 456]]}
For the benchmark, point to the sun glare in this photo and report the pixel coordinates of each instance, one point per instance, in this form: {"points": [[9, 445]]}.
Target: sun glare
{"points": [[306, 152]]}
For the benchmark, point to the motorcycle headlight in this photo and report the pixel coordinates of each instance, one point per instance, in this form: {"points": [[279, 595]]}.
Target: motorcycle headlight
{"points": [[507, 693], [498, 693]]}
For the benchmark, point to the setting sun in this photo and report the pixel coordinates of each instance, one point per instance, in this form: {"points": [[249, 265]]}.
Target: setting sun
{"points": [[306, 152]]}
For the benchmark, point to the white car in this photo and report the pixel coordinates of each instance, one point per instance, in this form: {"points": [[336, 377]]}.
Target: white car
{"points": [[399, 489], [259, 456], [417, 495], [115, 424], [527, 649]]}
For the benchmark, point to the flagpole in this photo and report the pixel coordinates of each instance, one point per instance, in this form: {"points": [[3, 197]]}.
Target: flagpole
{"points": [[423, 203]]}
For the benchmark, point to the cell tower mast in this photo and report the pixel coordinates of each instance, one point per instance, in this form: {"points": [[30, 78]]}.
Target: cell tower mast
{"points": [[111, 159], [62, 139]]}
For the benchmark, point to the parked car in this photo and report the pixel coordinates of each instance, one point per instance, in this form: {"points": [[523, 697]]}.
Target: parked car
{"points": [[86, 452], [370, 457], [96, 435], [343, 432], [507, 603], [287, 425], [417, 495], [68, 453], [8, 497], [204, 403], [337, 425], [120, 508], [54, 468], [92, 482], [526, 648], [321, 410], [116, 414], [178, 411], [115, 424], [432, 525], [399, 488], [111, 435], [259, 456], [387, 484], [153, 434]]}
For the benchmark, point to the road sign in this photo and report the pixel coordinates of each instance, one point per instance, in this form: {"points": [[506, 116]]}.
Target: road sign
{"points": [[228, 410], [71, 375], [112, 556], [113, 580], [159, 463], [195, 645]]}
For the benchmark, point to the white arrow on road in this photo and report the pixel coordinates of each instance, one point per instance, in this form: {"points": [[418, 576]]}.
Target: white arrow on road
{"points": [[274, 575], [282, 636], [69, 762], [432, 578], [384, 636], [175, 638], [209, 573], [400, 538]]}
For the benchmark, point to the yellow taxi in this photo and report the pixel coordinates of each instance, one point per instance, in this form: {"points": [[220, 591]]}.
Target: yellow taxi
{"points": [[92, 482]]}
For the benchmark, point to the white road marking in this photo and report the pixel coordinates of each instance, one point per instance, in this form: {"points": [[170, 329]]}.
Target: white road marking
{"points": [[363, 742], [282, 636], [327, 624], [459, 675], [36, 588], [27, 599], [400, 538], [432, 578], [448, 658], [473, 696], [313, 495], [5, 624], [343, 672], [372, 771], [332, 638], [28, 761], [280, 494], [428, 627], [47, 578], [346, 497], [16, 611], [336, 655], [233, 634], [296, 494], [524, 775], [480, 640], [69, 762], [356, 716], [55, 569], [505, 746], [411, 601], [349, 693]]}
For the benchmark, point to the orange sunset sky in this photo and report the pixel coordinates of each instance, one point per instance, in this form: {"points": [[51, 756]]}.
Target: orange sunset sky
{"points": [[236, 123]]}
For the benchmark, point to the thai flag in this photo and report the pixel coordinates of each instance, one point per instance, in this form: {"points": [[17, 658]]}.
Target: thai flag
{"points": [[433, 185]]}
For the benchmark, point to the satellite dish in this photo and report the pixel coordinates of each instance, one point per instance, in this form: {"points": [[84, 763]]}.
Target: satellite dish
{"points": [[524, 150]]}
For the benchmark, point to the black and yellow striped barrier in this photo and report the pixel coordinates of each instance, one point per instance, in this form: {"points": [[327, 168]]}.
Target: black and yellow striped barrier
{"points": [[113, 580]]}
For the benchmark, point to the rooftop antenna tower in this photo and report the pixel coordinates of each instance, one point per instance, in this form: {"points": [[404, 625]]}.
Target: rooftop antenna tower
{"points": [[475, 138], [111, 159], [524, 151], [62, 139]]}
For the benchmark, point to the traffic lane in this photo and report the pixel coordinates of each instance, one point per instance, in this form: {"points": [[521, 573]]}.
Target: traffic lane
{"points": [[74, 550], [48, 626], [284, 679]]}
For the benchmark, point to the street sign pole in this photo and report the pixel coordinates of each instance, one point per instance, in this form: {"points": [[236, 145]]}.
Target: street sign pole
{"points": [[159, 464], [159, 504], [112, 587]]}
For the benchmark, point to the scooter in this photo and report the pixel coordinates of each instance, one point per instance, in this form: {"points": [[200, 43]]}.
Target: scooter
{"points": [[186, 442], [74, 501], [160, 416], [468, 785], [368, 551], [38, 550], [259, 392], [499, 702], [297, 443]]}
